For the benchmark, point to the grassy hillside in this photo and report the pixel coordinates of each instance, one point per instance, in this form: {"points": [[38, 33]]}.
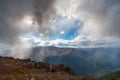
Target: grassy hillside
{"points": [[112, 76]]}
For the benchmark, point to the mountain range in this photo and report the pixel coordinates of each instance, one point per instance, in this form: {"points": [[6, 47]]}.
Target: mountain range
{"points": [[83, 61]]}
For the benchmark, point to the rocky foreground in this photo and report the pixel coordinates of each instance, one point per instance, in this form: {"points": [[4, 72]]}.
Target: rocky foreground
{"points": [[17, 69]]}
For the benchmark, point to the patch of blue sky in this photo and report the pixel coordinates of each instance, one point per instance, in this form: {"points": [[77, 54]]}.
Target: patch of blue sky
{"points": [[69, 30], [31, 35]]}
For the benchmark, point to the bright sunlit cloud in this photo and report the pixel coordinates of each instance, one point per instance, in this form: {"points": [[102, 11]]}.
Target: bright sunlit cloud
{"points": [[28, 20], [62, 32]]}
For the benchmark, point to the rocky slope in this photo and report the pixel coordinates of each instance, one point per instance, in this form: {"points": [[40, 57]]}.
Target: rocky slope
{"points": [[16, 69]]}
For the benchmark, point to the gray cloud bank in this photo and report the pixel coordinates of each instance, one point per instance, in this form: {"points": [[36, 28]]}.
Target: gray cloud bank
{"points": [[13, 11], [102, 15]]}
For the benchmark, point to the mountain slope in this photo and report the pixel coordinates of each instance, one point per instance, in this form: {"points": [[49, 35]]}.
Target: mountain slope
{"points": [[79, 65], [112, 76], [83, 61], [16, 69]]}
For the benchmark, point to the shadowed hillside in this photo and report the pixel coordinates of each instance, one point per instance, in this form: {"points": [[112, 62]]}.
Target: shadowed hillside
{"points": [[112, 76], [83, 61]]}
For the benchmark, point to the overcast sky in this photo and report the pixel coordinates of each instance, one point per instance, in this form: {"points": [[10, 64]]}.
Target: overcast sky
{"points": [[78, 23]]}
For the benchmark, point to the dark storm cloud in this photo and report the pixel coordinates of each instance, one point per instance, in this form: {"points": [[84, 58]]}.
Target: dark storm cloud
{"points": [[105, 13], [13, 11], [44, 12]]}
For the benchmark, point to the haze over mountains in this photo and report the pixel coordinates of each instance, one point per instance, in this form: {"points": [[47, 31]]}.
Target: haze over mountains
{"points": [[81, 34], [83, 61]]}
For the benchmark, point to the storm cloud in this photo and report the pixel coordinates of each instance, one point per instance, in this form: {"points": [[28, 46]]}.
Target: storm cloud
{"points": [[13, 12], [100, 18], [43, 10]]}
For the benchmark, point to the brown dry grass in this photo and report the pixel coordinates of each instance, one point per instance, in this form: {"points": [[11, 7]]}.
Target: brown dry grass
{"points": [[15, 69]]}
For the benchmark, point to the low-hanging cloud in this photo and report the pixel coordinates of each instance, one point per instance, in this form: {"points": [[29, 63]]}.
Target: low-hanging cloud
{"points": [[101, 17]]}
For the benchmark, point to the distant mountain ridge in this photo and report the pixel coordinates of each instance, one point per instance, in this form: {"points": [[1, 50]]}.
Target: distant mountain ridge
{"points": [[83, 61]]}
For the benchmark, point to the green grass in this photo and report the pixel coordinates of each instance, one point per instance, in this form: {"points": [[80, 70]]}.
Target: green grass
{"points": [[112, 76]]}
